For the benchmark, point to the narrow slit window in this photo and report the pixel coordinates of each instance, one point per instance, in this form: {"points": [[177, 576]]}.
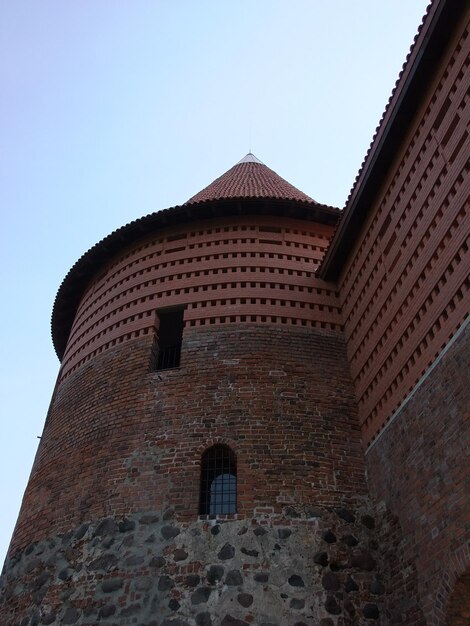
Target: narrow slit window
{"points": [[218, 481], [170, 337]]}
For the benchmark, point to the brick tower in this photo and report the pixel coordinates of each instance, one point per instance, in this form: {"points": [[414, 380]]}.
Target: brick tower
{"points": [[201, 461], [232, 369]]}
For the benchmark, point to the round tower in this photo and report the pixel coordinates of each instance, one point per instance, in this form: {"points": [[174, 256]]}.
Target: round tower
{"points": [[201, 461]]}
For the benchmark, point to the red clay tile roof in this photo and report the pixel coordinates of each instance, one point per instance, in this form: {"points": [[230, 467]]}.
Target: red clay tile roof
{"points": [[250, 178]]}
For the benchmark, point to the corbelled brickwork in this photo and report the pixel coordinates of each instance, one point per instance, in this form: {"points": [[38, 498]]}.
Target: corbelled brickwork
{"points": [[405, 295], [271, 303], [263, 370], [404, 290], [405, 300], [246, 269]]}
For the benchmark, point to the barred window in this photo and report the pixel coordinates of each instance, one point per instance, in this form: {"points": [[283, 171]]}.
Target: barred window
{"points": [[218, 481], [167, 348]]}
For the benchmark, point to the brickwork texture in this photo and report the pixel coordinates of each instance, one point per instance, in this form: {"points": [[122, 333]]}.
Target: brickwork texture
{"points": [[333, 363]]}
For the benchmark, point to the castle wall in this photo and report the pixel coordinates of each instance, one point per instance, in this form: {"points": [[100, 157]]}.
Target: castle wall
{"points": [[404, 290], [405, 298], [419, 476], [292, 426], [109, 528], [149, 569], [289, 371]]}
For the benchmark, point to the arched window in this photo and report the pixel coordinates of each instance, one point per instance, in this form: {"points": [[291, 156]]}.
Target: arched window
{"points": [[218, 481]]}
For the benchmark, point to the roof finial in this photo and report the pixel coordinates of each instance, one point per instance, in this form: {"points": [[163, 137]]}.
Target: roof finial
{"points": [[250, 158]]}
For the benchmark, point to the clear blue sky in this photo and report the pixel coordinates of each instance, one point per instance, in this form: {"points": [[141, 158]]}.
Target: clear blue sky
{"points": [[111, 109]]}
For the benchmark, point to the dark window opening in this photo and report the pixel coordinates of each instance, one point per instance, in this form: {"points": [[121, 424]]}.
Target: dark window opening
{"points": [[170, 336], [218, 481]]}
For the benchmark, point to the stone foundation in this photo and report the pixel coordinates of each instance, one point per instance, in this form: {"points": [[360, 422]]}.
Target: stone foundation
{"points": [[149, 569]]}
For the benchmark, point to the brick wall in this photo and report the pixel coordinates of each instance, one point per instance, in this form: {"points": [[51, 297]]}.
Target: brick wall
{"points": [[109, 528], [458, 610], [404, 290], [120, 438], [419, 476], [405, 295], [224, 271]]}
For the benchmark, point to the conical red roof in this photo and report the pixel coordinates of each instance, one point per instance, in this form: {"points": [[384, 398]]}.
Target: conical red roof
{"points": [[250, 178]]}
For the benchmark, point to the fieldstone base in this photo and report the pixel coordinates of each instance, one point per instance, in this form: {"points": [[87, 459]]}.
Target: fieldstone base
{"points": [[317, 567]]}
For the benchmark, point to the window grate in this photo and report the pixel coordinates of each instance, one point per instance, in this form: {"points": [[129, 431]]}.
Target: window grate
{"points": [[218, 482], [170, 336], [169, 357]]}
